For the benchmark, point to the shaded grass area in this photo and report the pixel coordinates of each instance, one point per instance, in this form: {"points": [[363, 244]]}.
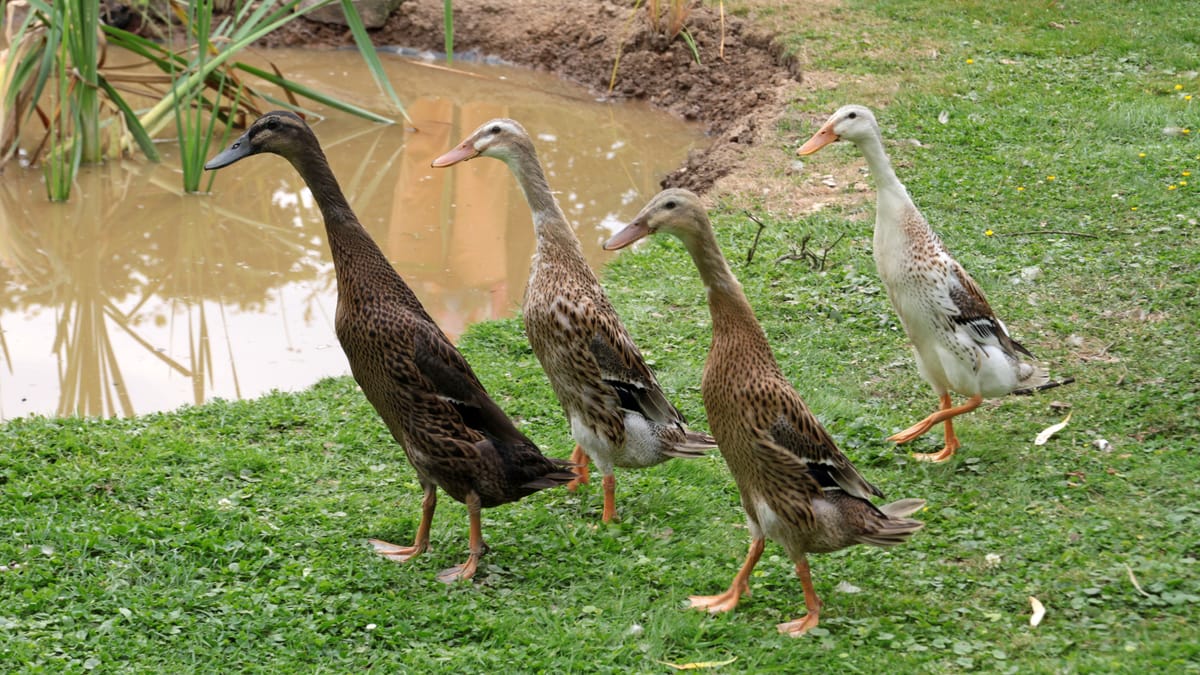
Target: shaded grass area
{"points": [[232, 536]]}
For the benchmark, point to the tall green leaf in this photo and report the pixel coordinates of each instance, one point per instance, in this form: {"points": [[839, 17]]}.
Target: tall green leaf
{"points": [[367, 49]]}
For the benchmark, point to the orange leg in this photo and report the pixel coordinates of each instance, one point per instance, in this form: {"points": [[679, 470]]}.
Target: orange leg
{"points": [[740, 586], [476, 546], [580, 459], [421, 542], [609, 482], [944, 414], [811, 601]]}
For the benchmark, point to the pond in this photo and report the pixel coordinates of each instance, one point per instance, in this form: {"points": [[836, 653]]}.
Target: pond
{"points": [[134, 297]]}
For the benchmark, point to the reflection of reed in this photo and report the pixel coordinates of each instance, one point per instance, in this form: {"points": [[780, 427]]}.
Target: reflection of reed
{"points": [[143, 284], [87, 261]]}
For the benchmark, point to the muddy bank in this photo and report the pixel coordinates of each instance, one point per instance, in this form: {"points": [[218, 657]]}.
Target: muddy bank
{"points": [[736, 89]]}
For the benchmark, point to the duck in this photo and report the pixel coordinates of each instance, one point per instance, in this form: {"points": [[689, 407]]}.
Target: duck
{"points": [[618, 413], [796, 487], [960, 344], [454, 435]]}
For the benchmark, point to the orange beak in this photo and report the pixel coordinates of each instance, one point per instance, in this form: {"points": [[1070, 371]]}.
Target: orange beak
{"points": [[461, 153], [822, 138], [632, 232]]}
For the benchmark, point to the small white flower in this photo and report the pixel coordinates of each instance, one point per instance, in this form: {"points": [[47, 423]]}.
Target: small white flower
{"points": [[371, 626], [992, 560]]}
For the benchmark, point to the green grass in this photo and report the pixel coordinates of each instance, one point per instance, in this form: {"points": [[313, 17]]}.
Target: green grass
{"points": [[231, 536]]}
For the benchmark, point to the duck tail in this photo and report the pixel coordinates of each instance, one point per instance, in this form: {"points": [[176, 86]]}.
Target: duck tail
{"points": [[1049, 384], [895, 527], [695, 444]]}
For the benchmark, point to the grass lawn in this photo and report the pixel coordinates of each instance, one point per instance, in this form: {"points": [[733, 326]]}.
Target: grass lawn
{"points": [[1053, 146]]}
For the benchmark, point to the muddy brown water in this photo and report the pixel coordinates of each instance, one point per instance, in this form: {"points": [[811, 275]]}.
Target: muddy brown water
{"points": [[134, 297]]}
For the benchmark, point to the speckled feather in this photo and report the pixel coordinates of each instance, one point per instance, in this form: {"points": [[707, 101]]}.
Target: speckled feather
{"points": [[796, 486], [956, 335], [452, 432], [594, 367]]}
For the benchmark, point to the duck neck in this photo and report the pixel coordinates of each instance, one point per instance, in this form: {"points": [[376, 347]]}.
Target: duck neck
{"points": [[348, 239], [886, 182], [731, 312], [892, 201], [549, 222]]}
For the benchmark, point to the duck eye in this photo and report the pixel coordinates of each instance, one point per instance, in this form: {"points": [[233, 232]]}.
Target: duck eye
{"points": [[272, 124], [852, 115], [494, 130], [669, 205]]}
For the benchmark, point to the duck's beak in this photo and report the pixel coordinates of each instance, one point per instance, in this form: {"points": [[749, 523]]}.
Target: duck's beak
{"points": [[822, 138], [461, 153], [631, 233], [239, 149]]}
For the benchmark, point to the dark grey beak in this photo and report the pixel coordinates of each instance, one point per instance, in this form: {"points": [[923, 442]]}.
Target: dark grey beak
{"points": [[237, 150]]}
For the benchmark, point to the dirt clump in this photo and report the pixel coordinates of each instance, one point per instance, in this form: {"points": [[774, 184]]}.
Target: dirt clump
{"points": [[736, 88]]}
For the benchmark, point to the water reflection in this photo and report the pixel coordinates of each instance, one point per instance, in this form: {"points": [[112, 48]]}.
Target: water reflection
{"points": [[133, 297]]}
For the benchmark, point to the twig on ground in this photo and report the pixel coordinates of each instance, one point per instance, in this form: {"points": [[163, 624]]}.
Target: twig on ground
{"points": [[1062, 232], [754, 246], [817, 263]]}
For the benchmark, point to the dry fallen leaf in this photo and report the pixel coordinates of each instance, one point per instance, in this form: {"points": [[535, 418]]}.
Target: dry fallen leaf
{"points": [[1039, 611], [1051, 430], [698, 665]]}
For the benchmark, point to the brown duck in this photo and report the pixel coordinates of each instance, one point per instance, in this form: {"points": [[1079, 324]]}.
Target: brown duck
{"points": [[618, 413], [454, 435], [796, 486]]}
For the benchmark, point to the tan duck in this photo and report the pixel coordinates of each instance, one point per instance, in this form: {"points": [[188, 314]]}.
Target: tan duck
{"points": [[619, 415], [796, 486], [454, 435], [959, 343]]}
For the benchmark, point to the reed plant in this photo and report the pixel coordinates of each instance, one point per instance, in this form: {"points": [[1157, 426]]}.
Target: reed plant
{"points": [[448, 28], [196, 83]]}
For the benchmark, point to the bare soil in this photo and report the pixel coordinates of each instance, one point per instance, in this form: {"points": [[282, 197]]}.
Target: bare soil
{"points": [[738, 88]]}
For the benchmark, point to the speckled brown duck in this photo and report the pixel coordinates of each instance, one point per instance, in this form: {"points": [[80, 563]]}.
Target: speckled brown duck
{"points": [[454, 435], [960, 344], [619, 415], [796, 486]]}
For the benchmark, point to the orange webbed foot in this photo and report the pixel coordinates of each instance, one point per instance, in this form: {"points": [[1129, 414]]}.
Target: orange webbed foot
{"points": [[799, 626], [715, 604], [459, 572], [399, 553]]}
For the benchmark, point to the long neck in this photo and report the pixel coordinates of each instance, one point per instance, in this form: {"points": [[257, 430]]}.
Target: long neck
{"points": [[349, 241], [549, 223], [886, 182], [896, 228], [734, 323]]}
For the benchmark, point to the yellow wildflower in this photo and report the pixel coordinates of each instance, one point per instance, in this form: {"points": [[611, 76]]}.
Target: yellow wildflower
{"points": [[1182, 183], [1133, 208], [988, 233], [1187, 173], [1049, 177], [1187, 131], [970, 61], [1178, 87], [1170, 187], [1188, 97], [1141, 154], [1020, 188]]}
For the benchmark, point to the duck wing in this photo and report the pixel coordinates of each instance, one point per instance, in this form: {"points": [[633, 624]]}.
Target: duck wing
{"points": [[971, 311], [453, 381], [624, 370], [797, 431]]}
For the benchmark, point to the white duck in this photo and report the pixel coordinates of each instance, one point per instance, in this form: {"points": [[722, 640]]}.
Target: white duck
{"points": [[959, 343]]}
